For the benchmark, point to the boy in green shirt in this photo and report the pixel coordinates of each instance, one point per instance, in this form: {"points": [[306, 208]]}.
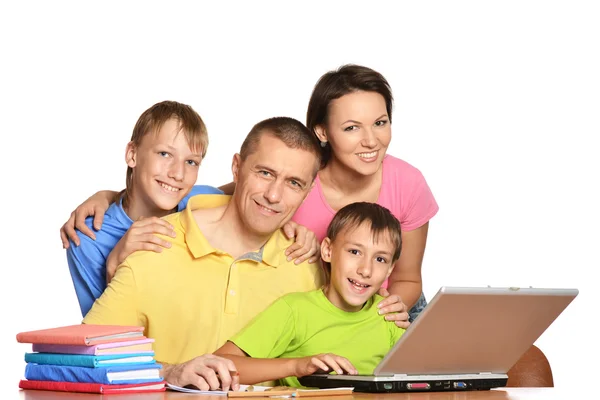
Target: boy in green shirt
{"points": [[336, 328]]}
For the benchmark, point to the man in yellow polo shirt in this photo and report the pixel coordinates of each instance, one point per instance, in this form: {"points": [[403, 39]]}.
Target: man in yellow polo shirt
{"points": [[227, 263]]}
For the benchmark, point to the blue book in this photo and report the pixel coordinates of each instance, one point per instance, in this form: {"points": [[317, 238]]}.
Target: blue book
{"points": [[80, 360], [124, 374]]}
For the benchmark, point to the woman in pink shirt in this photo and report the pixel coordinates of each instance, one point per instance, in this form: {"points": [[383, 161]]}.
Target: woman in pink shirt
{"points": [[350, 111]]}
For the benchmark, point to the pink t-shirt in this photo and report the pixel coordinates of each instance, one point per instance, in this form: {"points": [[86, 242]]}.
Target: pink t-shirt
{"points": [[404, 192]]}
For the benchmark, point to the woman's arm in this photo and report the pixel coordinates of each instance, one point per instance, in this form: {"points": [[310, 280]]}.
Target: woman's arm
{"points": [[95, 205], [228, 188], [405, 280]]}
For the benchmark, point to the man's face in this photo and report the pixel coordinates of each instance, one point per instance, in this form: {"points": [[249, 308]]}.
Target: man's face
{"points": [[271, 184]]}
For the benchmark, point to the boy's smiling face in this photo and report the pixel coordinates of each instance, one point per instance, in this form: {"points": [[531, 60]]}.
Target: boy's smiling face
{"points": [[359, 265], [165, 169]]}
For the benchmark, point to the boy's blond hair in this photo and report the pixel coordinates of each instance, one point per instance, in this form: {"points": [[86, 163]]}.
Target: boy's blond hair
{"points": [[152, 120]]}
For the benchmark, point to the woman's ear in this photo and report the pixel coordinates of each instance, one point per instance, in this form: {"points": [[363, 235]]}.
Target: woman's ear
{"points": [[130, 155], [321, 133]]}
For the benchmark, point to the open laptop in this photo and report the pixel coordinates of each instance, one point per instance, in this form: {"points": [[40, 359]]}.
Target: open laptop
{"points": [[465, 339]]}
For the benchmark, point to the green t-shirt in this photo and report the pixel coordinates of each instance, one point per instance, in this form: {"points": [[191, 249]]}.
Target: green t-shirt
{"points": [[306, 324]]}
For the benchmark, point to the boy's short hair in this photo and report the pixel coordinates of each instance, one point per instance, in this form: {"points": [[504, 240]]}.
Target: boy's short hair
{"points": [[380, 219], [290, 131], [152, 120]]}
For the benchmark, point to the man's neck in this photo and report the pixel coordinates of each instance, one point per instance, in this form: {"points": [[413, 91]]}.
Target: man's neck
{"points": [[228, 233]]}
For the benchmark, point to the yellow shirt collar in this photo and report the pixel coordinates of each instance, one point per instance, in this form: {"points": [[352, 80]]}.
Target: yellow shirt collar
{"points": [[271, 253]]}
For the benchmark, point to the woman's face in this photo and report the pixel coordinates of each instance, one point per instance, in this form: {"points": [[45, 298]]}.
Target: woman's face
{"points": [[358, 131]]}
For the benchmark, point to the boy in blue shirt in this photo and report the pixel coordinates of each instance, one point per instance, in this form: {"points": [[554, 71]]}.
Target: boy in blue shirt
{"points": [[336, 328], [167, 146]]}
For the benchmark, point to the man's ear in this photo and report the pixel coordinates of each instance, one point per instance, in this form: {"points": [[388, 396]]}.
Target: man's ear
{"points": [[131, 155], [236, 164], [326, 250], [321, 133]]}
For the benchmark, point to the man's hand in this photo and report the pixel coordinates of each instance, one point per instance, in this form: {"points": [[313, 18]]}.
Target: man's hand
{"points": [[96, 205], [305, 247], [140, 236], [393, 309], [323, 362], [207, 372]]}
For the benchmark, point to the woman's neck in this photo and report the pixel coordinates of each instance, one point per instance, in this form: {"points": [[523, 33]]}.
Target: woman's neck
{"points": [[346, 181]]}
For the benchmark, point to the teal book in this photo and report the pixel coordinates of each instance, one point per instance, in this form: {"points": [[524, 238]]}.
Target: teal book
{"points": [[90, 361]]}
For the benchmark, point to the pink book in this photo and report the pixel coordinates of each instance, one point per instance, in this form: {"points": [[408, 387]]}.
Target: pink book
{"points": [[131, 346], [93, 387], [83, 335]]}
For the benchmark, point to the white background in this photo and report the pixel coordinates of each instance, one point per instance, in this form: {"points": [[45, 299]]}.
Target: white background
{"points": [[498, 104]]}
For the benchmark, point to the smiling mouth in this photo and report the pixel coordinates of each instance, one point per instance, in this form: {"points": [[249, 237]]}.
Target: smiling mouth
{"points": [[266, 209], [368, 155], [358, 284], [168, 187]]}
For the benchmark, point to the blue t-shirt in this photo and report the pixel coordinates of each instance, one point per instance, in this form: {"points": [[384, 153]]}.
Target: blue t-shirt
{"points": [[87, 262]]}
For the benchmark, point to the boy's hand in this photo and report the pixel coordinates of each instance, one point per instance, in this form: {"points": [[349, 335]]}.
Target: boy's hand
{"points": [[207, 372], [325, 363], [393, 309], [96, 205], [305, 247], [140, 236]]}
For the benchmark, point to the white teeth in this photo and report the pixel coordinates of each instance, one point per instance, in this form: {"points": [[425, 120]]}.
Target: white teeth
{"points": [[266, 209], [170, 188], [358, 284], [367, 155]]}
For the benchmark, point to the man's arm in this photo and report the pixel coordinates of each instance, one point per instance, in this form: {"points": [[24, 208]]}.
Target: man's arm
{"points": [[207, 372], [405, 280]]}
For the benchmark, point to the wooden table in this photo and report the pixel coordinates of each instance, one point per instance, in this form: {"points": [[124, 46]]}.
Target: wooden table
{"points": [[495, 394]]}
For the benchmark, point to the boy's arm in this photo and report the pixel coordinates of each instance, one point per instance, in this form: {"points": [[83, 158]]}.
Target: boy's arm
{"points": [[86, 266], [255, 370]]}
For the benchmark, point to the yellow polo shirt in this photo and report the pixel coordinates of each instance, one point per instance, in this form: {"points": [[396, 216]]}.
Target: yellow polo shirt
{"points": [[192, 298]]}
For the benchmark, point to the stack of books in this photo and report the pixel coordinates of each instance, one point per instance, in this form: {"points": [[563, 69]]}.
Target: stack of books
{"points": [[91, 359]]}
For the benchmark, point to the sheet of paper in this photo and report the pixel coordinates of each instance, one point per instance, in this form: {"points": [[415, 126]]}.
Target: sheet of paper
{"points": [[214, 392]]}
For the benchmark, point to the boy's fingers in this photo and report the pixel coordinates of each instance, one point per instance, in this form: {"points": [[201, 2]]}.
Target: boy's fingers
{"points": [[319, 364], [329, 360], [347, 365], [151, 238]]}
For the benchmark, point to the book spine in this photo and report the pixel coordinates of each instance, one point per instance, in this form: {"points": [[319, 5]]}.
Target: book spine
{"points": [[63, 373], [61, 386], [74, 360]]}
